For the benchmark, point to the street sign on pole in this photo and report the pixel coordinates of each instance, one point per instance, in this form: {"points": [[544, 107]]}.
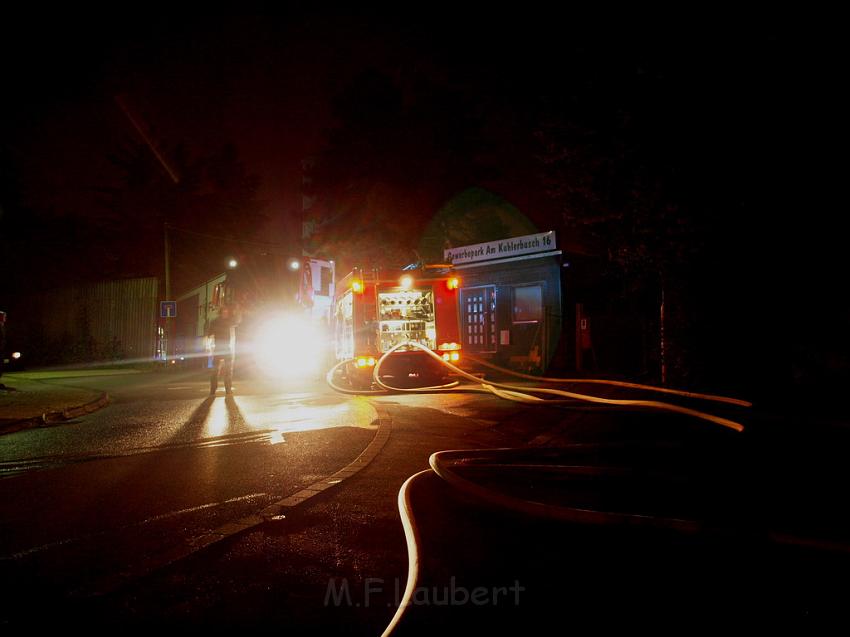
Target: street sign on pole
{"points": [[168, 309]]}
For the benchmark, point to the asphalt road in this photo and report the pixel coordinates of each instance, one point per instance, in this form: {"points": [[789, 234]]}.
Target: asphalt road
{"points": [[102, 516], [164, 463], [99, 503]]}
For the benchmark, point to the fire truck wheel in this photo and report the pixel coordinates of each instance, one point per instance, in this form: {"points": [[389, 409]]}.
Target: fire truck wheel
{"points": [[356, 379], [361, 385]]}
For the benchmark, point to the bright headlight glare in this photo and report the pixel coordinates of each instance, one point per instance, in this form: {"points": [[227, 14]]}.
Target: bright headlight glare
{"points": [[288, 346]]}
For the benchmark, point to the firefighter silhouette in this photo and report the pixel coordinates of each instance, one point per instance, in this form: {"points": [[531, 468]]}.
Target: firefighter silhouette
{"points": [[221, 332]]}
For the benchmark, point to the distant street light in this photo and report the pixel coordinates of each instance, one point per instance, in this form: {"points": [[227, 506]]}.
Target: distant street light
{"points": [[232, 263], [294, 264]]}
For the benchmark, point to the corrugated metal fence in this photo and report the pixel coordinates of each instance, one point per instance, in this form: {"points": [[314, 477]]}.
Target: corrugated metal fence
{"points": [[117, 319]]}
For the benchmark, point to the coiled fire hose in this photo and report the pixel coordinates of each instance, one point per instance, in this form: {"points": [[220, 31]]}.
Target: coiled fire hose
{"points": [[443, 462], [525, 394]]}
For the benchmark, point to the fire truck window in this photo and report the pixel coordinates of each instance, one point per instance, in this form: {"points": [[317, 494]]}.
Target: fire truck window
{"points": [[326, 277], [345, 327], [528, 303]]}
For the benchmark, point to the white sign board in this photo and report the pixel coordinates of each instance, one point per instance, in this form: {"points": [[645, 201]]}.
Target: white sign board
{"points": [[528, 244]]}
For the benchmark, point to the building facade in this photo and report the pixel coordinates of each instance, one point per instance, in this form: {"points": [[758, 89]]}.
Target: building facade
{"points": [[510, 299]]}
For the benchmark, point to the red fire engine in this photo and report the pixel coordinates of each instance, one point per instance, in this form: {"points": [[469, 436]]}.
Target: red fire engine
{"points": [[375, 310]]}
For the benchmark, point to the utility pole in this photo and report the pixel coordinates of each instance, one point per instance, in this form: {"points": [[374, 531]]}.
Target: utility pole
{"points": [[175, 178], [663, 343], [166, 328]]}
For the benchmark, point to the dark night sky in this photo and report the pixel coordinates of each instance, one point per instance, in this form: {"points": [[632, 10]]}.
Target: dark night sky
{"points": [[202, 81], [265, 83], [754, 91]]}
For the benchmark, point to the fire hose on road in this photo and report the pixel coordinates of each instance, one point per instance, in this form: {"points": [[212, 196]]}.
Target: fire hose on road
{"points": [[491, 476], [526, 394], [449, 465]]}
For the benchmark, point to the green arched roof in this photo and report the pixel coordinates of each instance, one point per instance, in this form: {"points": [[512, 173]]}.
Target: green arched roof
{"points": [[473, 216]]}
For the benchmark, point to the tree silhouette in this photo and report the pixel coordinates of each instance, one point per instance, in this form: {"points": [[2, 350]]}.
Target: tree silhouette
{"points": [[400, 149], [473, 216], [214, 195]]}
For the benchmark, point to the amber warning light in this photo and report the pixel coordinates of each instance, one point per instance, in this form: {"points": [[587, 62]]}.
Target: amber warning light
{"points": [[450, 352]]}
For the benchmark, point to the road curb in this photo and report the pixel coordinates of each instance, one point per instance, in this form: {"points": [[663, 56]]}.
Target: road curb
{"points": [[273, 512], [278, 510], [58, 417]]}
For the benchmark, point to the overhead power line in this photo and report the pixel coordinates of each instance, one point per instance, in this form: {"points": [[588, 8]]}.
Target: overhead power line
{"points": [[263, 244]]}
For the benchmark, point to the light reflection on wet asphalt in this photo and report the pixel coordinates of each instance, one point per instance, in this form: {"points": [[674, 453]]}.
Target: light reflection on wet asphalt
{"points": [[183, 418]]}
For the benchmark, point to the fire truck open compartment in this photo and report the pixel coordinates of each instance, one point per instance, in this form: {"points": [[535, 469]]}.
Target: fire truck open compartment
{"points": [[407, 315]]}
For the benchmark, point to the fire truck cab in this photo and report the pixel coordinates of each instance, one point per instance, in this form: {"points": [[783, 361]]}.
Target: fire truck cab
{"points": [[375, 310]]}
